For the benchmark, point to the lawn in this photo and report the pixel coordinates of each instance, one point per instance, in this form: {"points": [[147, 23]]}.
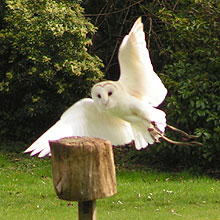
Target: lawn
{"points": [[26, 192]]}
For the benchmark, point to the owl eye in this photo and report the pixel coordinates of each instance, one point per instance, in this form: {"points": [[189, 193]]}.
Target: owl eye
{"points": [[110, 93], [99, 96]]}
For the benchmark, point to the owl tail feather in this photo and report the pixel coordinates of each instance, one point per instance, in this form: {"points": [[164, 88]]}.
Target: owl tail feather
{"points": [[183, 133]]}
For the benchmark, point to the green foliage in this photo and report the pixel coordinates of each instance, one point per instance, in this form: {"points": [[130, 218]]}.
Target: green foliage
{"points": [[44, 63], [192, 75]]}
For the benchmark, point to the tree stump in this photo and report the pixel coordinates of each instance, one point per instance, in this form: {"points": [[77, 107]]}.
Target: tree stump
{"points": [[83, 170]]}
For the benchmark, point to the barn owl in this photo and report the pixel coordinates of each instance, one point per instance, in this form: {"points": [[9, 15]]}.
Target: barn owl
{"points": [[120, 111]]}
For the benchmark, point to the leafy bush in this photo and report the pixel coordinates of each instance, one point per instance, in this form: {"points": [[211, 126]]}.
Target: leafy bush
{"points": [[192, 76], [44, 63]]}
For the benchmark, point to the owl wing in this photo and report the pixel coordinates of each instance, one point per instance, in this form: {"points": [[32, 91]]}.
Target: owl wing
{"points": [[137, 74], [83, 119]]}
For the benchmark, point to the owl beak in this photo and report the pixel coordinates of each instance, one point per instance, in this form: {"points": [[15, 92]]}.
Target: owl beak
{"points": [[105, 102]]}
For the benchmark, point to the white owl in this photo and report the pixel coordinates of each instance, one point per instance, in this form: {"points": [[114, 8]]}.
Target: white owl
{"points": [[119, 111]]}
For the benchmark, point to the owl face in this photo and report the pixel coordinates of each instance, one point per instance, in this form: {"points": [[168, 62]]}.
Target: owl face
{"points": [[104, 95]]}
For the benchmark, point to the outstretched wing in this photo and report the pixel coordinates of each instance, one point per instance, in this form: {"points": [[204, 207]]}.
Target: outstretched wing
{"points": [[137, 74], [83, 119]]}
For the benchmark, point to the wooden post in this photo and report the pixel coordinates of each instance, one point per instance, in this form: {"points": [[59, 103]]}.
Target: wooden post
{"points": [[83, 171], [87, 210]]}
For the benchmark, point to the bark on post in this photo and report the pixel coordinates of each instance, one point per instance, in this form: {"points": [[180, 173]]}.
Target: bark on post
{"points": [[83, 170]]}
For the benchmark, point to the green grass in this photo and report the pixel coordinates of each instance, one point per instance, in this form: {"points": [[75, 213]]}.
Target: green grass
{"points": [[26, 192]]}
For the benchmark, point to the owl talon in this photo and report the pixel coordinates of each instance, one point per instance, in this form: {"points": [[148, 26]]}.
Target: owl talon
{"points": [[154, 134], [156, 127]]}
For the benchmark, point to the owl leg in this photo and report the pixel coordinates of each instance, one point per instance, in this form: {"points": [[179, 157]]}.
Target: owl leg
{"points": [[191, 143], [156, 134], [183, 133]]}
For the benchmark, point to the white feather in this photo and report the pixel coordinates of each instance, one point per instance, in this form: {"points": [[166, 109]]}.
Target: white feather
{"points": [[142, 136], [83, 119], [137, 73]]}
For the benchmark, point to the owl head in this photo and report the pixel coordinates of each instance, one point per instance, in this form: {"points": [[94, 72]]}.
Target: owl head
{"points": [[105, 95]]}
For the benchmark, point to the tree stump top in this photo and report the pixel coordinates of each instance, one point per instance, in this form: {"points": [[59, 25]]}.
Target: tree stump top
{"points": [[83, 168], [75, 140]]}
